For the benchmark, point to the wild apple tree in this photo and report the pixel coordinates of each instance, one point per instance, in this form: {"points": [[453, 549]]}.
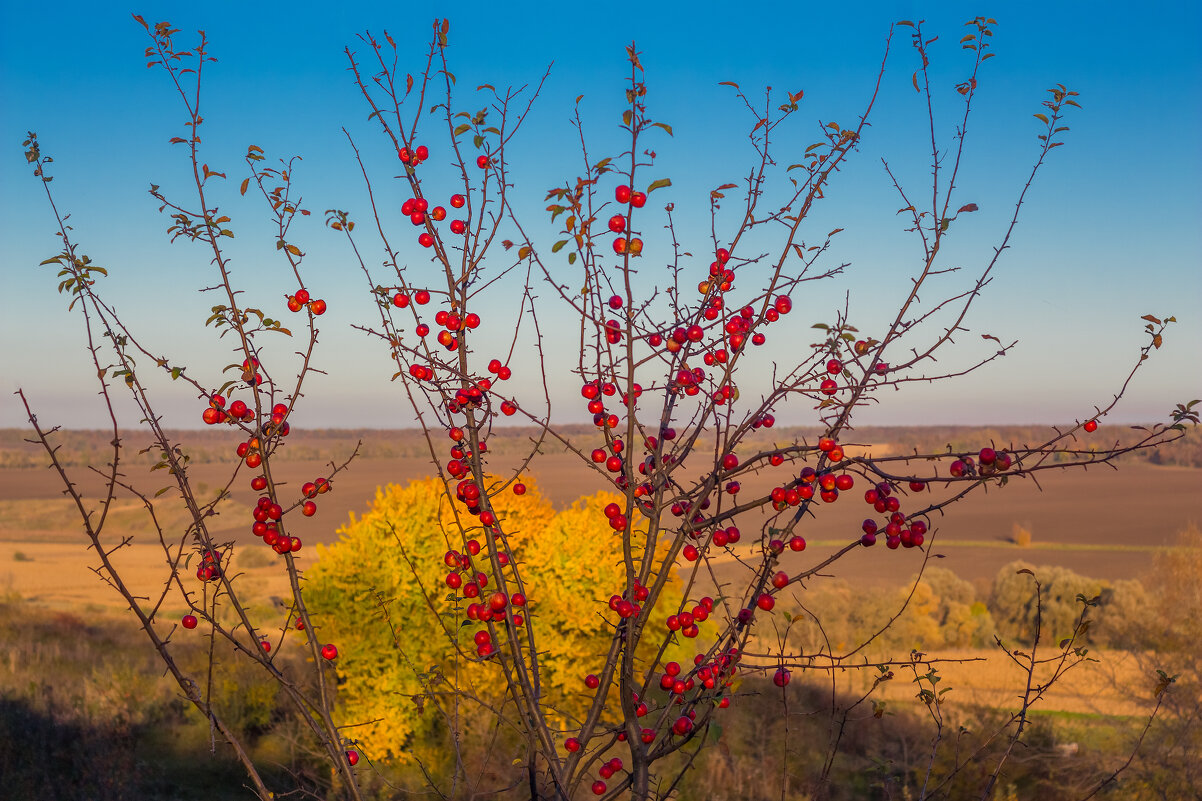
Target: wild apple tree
{"points": [[670, 370]]}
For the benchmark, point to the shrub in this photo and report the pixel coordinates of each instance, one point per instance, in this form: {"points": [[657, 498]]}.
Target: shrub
{"points": [[681, 426]]}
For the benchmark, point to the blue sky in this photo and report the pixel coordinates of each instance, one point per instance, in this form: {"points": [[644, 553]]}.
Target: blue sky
{"points": [[1110, 231]]}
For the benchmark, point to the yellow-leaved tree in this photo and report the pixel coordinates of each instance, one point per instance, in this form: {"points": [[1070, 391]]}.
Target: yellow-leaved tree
{"points": [[409, 665]]}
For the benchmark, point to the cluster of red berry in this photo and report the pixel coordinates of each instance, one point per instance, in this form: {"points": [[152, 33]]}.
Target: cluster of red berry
{"points": [[708, 682], [898, 530], [209, 568], [301, 299], [418, 209], [625, 243], [496, 608]]}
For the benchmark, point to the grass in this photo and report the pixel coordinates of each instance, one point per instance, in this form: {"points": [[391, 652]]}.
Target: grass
{"points": [[60, 576], [1035, 546], [58, 518]]}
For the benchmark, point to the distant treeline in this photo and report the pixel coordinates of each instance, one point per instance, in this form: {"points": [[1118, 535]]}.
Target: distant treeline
{"points": [[80, 447]]}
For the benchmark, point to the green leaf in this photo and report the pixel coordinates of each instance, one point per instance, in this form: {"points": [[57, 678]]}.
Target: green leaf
{"points": [[662, 182], [663, 125], [176, 372], [558, 245]]}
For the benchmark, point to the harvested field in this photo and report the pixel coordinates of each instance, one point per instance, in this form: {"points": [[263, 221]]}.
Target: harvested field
{"points": [[1104, 523]]}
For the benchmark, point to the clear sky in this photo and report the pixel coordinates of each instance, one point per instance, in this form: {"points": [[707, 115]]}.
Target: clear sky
{"points": [[1111, 230]]}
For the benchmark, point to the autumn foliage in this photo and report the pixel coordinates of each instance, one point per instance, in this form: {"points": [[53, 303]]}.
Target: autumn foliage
{"points": [[384, 595]]}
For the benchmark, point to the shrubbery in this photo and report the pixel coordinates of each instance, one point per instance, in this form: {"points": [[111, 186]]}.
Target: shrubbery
{"points": [[384, 595]]}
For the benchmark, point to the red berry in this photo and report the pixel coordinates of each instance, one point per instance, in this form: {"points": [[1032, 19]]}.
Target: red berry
{"points": [[352, 757], [617, 223], [1091, 426], [329, 651], [638, 200], [425, 240], [189, 621], [458, 226], [482, 161], [622, 194], [457, 201]]}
